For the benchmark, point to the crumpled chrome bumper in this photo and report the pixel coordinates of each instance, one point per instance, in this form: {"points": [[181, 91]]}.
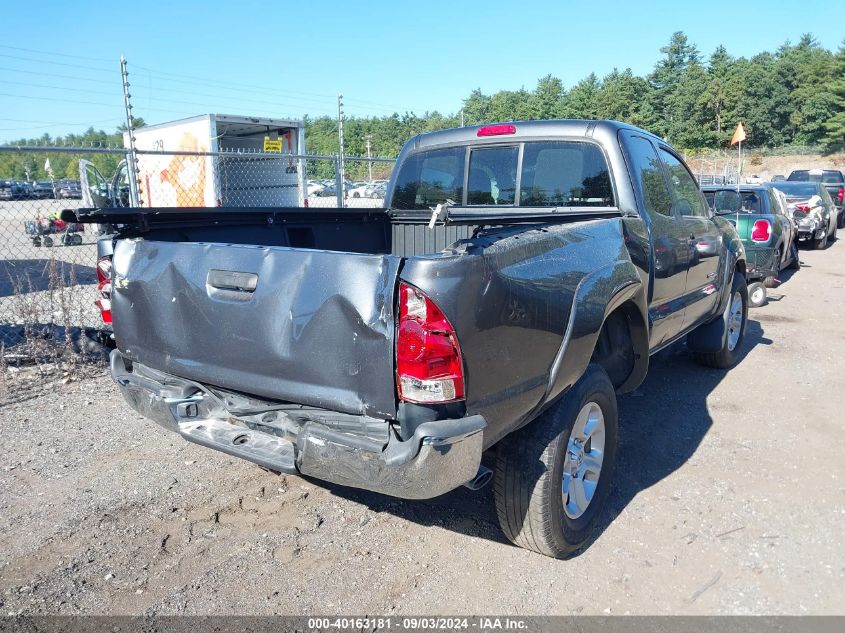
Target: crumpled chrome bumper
{"points": [[441, 455]]}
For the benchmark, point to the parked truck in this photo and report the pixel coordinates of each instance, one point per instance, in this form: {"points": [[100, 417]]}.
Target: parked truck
{"points": [[521, 277]]}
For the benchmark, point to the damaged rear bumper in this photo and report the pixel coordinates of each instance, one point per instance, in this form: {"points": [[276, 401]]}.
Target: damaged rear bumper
{"points": [[440, 456]]}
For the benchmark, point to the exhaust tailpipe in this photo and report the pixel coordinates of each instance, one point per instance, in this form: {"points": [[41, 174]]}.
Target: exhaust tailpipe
{"points": [[481, 479]]}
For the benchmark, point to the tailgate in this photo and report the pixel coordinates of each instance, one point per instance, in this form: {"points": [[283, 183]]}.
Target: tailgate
{"points": [[303, 326]]}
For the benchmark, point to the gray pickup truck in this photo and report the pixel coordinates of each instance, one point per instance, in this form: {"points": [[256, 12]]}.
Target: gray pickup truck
{"points": [[520, 277]]}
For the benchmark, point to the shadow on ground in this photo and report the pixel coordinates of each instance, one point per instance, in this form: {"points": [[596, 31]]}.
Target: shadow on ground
{"points": [[34, 275], [661, 426]]}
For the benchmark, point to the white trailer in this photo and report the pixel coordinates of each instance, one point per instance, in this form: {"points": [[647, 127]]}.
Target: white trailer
{"points": [[221, 160]]}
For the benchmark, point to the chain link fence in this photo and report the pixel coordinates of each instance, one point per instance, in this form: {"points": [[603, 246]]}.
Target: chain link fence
{"points": [[50, 325]]}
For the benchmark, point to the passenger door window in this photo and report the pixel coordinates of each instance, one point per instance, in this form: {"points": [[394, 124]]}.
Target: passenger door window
{"points": [[686, 192], [648, 177]]}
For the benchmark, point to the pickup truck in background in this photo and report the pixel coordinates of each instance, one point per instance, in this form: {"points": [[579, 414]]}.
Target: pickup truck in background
{"points": [[520, 278]]}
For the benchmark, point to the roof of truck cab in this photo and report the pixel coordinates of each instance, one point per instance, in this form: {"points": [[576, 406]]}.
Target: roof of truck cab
{"points": [[526, 129]]}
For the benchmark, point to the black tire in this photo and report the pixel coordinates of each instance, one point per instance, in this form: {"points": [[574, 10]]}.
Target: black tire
{"points": [[795, 261], [821, 243], [840, 221], [47, 241], [529, 472], [756, 294], [726, 356]]}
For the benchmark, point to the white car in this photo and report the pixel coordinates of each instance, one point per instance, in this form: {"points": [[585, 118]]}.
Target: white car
{"points": [[314, 188], [358, 190]]}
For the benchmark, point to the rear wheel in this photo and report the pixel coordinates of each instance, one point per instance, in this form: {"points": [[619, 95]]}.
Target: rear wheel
{"points": [[553, 476], [756, 294], [47, 241]]}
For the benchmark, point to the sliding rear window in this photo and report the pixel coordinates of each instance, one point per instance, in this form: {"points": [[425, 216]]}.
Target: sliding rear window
{"points": [[553, 174]]}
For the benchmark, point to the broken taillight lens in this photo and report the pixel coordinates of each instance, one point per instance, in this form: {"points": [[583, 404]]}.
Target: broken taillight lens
{"points": [[429, 367], [103, 269], [104, 288], [104, 302]]}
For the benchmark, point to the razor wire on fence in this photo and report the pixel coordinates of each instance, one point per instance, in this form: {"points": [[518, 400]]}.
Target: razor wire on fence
{"points": [[49, 286]]}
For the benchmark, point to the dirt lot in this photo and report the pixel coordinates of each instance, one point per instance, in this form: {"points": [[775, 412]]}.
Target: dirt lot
{"points": [[729, 498]]}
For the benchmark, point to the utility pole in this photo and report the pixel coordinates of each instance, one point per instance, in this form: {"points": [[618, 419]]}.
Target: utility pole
{"points": [[341, 167], [132, 158], [369, 155], [462, 117]]}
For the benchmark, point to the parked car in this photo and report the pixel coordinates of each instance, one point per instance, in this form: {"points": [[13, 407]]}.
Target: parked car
{"points": [[43, 189], [833, 181], [813, 210], [503, 298], [12, 190], [358, 190], [314, 188], [329, 190], [765, 227], [70, 189]]}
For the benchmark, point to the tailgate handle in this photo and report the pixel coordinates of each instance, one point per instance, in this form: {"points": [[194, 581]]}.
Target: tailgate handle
{"points": [[232, 280]]}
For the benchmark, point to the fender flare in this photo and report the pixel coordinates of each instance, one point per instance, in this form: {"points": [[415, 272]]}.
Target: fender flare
{"points": [[611, 286]]}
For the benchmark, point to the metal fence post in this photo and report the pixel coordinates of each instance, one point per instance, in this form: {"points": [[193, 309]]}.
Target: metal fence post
{"points": [[132, 158], [338, 179], [341, 183]]}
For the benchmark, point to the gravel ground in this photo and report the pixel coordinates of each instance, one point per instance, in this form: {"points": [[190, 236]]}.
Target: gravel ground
{"points": [[729, 498]]}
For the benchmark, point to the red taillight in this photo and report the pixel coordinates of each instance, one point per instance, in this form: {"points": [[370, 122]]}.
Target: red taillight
{"points": [[104, 288], [761, 231], [429, 367], [104, 302], [841, 194], [496, 130], [803, 208]]}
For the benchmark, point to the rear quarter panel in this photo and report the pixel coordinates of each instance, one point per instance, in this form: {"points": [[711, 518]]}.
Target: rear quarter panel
{"points": [[527, 306]]}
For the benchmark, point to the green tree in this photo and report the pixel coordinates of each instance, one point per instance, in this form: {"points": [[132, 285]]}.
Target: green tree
{"points": [[834, 128]]}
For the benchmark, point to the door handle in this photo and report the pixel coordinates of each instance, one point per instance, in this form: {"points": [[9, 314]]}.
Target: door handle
{"points": [[232, 280]]}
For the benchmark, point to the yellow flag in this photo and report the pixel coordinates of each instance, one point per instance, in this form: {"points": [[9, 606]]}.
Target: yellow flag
{"points": [[739, 134]]}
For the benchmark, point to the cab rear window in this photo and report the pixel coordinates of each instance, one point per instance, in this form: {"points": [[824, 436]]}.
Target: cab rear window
{"points": [[552, 174]]}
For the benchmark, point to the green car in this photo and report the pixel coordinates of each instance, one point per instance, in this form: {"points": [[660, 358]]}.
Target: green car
{"points": [[768, 233]]}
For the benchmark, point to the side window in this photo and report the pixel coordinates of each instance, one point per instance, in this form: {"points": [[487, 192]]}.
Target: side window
{"points": [[647, 174], [774, 203], [687, 195]]}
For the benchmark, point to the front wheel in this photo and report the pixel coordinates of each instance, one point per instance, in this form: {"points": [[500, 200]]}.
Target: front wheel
{"points": [[821, 243], [553, 476]]}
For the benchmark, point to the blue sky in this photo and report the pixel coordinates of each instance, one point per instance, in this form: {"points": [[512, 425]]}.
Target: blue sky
{"points": [[59, 63]]}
